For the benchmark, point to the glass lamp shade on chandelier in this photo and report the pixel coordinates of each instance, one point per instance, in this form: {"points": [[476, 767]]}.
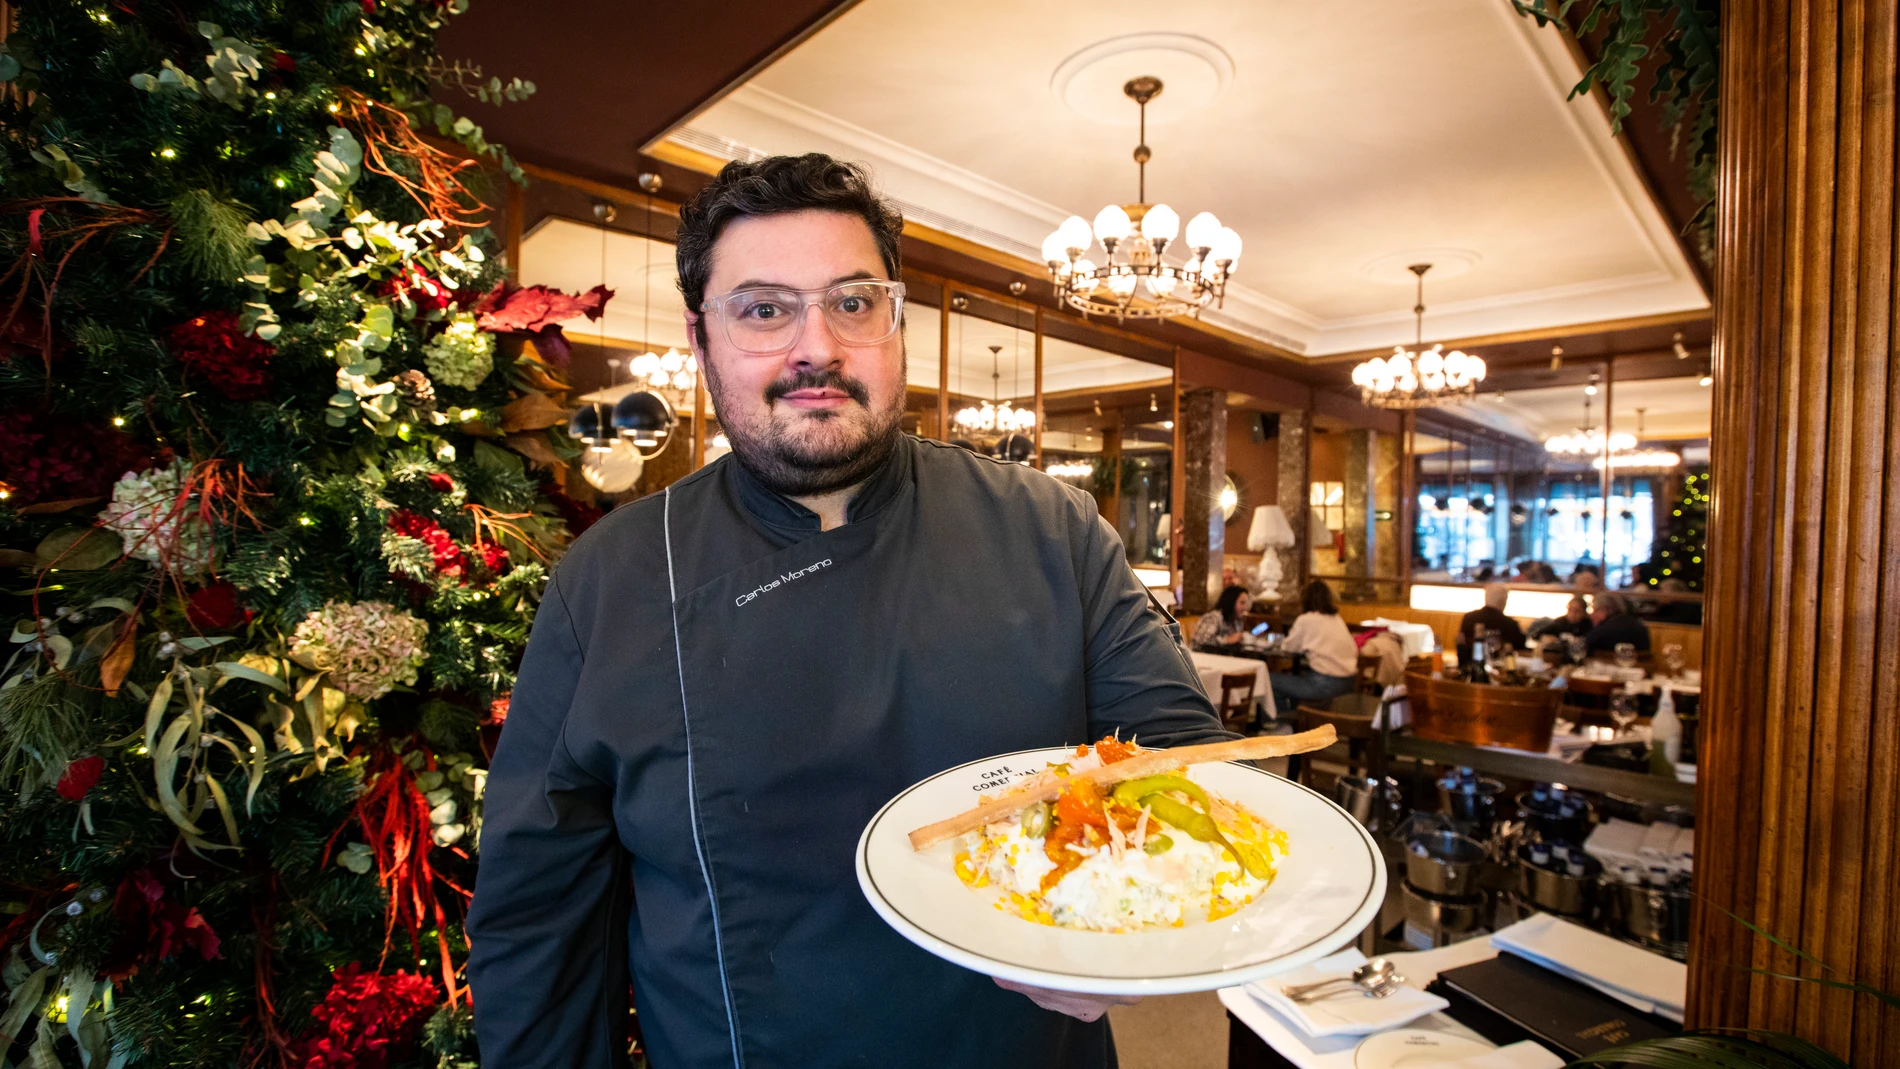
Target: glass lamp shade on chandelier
{"points": [[995, 417], [1419, 377], [1133, 281], [1619, 451]]}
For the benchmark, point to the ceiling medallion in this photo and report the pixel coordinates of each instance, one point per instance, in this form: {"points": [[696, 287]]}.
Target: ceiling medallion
{"points": [[1133, 281], [1419, 378]]}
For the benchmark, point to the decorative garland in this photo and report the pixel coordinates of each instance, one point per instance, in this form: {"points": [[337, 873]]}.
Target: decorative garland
{"points": [[270, 570]]}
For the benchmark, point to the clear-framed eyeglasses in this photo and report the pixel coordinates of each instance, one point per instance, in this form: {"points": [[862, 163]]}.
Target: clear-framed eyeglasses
{"points": [[766, 320]]}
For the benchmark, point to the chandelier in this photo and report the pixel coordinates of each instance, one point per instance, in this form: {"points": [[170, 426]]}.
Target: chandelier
{"points": [[1411, 378], [1133, 281], [997, 416]]}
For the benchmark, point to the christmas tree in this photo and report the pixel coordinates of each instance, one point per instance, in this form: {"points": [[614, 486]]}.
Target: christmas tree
{"points": [[1683, 539], [278, 496]]}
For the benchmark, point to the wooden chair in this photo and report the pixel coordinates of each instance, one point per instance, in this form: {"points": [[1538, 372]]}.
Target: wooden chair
{"points": [[1367, 676], [1587, 701], [1354, 717], [1236, 699]]}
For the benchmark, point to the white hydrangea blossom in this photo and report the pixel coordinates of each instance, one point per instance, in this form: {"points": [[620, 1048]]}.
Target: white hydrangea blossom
{"points": [[157, 523], [461, 355], [368, 647]]}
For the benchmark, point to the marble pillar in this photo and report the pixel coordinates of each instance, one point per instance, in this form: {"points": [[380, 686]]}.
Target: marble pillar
{"points": [[1202, 439], [1295, 491], [1357, 559]]}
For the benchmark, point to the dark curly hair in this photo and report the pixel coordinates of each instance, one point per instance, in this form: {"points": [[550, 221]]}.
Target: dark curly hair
{"points": [[774, 186]]}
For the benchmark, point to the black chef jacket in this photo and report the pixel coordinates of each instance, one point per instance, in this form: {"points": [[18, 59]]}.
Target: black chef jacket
{"points": [[718, 696]]}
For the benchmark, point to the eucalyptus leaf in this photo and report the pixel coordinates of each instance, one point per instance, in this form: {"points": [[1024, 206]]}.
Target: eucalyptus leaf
{"points": [[79, 549], [195, 644], [165, 770], [234, 670], [356, 857]]}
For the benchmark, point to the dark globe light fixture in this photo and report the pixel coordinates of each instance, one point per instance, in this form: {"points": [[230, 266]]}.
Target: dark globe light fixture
{"points": [[1017, 448], [592, 424], [644, 419]]}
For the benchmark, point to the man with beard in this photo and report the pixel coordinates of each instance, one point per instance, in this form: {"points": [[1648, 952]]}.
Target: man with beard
{"points": [[727, 679]]}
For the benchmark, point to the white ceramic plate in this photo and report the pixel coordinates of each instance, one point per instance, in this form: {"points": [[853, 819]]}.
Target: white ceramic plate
{"points": [[1328, 889], [1414, 1049]]}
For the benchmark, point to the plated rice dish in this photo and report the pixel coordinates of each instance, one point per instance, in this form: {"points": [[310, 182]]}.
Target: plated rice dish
{"points": [[1150, 851]]}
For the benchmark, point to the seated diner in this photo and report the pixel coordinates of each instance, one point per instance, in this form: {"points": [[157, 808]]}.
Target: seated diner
{"points": [[1615, 624], [1223, 626], [1332, 657]]}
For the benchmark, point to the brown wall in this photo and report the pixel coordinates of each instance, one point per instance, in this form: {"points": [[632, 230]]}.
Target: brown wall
{"points": [[1256, 467], [1329, 457]]}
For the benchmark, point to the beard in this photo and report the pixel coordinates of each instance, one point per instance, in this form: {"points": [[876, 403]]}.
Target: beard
{"points": [[799, 454]]}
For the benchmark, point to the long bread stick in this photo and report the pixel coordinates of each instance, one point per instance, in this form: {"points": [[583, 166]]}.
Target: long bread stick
{"points": [[1046, 786]]}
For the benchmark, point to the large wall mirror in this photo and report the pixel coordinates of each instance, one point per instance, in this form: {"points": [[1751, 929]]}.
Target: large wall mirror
{"points": [[1540, 485]]}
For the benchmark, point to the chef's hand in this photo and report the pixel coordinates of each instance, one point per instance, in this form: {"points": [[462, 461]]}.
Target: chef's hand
{"points": [[1080, 1007]]}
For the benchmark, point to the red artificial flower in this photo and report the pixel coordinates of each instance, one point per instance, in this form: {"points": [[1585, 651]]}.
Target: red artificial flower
{"points": [[213, 347], [498, 709], [49, 456], [537, 312], [216, 608], [152, 928], [366, 1021], [494, 558], [79, 777], [428, 294], [283, 62], [446, 555], [578, 515], [440, 483]]}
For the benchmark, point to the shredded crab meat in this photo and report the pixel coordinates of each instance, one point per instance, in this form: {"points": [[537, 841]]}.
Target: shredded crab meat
{"points": [[1117, 842], [1141, 829]]}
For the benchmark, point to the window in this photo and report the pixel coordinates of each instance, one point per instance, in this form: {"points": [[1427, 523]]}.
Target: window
{"points": [[1328, 501]]}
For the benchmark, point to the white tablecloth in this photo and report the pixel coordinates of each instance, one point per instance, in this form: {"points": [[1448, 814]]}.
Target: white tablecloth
{"points": [[1336, 1052], [1416, 639], [1212, 666]]}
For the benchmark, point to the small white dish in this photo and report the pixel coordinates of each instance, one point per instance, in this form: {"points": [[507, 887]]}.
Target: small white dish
{"points": [[1328, 888], [1413, 1048]]}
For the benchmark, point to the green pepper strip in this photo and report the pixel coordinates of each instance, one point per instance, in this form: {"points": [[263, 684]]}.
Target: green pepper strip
{"points": [[1131, 792], [1147, 791]]}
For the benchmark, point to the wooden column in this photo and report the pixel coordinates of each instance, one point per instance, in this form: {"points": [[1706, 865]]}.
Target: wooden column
{"points": [[1800, 743], [943, 366], [1040, 462]]}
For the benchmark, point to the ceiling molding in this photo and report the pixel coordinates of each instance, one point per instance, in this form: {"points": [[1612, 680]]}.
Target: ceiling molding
{"points": [[1553, 53], [880, 149], [1602, 326]]}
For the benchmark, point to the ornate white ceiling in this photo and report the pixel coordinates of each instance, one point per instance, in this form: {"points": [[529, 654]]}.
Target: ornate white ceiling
{"points": [[1342, 140]]}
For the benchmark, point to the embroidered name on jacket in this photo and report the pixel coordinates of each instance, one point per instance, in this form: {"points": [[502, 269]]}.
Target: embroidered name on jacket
{"points": [[782, 580]]}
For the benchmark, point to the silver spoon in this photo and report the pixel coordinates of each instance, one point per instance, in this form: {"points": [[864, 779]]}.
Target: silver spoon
{"points": [[1368, 978], [1379, 988]]}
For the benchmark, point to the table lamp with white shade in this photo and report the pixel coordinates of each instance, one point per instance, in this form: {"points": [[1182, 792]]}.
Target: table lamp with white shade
{"points": [[1268, 535]]}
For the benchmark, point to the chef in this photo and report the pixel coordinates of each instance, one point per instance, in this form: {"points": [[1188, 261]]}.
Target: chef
{"points": [[728, 678]]}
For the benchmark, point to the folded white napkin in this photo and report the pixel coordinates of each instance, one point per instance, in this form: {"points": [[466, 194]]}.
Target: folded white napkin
{"points": [[1349, 1014], [1649, 982]]}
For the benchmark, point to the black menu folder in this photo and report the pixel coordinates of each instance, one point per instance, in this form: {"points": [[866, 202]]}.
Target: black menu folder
{"points": [[1509, 998]]}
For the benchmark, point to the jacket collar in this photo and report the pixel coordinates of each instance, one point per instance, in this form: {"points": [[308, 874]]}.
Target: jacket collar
{"points": [[782, 512]]}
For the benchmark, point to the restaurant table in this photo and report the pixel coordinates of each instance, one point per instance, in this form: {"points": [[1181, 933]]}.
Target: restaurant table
{"points": [[1211, 666], [1259, 1037]]}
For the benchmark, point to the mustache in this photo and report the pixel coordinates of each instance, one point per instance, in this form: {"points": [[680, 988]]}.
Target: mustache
{"points": [[827, 379]]}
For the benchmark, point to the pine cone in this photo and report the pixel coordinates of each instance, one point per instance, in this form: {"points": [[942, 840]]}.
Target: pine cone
{"points": [[415, 388]]}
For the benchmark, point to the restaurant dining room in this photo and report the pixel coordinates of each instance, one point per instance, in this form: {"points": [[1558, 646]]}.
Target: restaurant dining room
{"points": [[879, 533]]}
